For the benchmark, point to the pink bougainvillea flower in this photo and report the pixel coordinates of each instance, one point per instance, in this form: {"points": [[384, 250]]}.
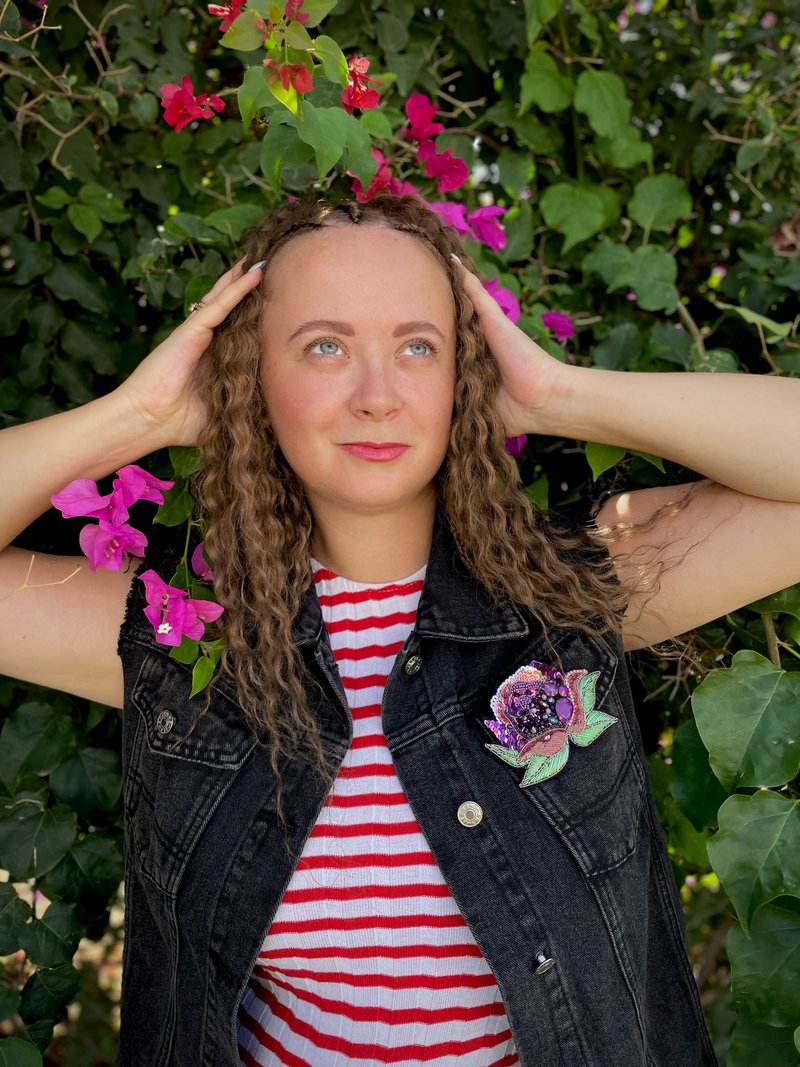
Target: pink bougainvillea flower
{"points": [[505, 298], [421, 112], [426, 150], [181, 106], [515, 446], [172, 613], [400, 188], [486, 228], [229, 13], [381, 180], [449, 171], [292, 75], [133, 483], [200, 565], [110, 546], [292, 10], [560, 324], [452, 214], [357, 94], [82, 498]]}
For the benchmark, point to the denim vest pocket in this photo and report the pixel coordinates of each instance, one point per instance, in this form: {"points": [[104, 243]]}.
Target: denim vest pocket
{"points": [[182, 762], [594, 801]]}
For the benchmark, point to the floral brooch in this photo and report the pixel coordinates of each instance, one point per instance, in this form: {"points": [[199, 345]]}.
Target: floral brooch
{"points": [[537, 712]]}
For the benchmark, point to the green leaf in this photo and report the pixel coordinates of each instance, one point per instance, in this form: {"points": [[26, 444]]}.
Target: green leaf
{"points": [[290, 98], [608, 259], [54, 197], [253, 95], [747, 715], [47, 991], [144, 108], [85, 221], [518, 224], [72, 281], [786, 602], [297, 36], [694, 785], [35, 738], [187, 651], [659, 202], [332, 58], [282, 148], [774, 331], [620, 350], [17, 170], [541, 768], [576, 211], [14, 913], [602, 457], [755, 1045], [89, 781], [202, 674], [34, 838], [537, 13], [516, 169], [244, 35], [84, 344], [103, 203], [327, 131], [317, 10], [747, 155], [626, 150], [88, 874], [235, 220], [587, 686], [756, 853], [651, 273], [376, 124], [51, 940], [714, 361], [34, 258], [766, 967], [601, 96], [360, 160], [596, 723], [507, 755], [543, 85], [185, 460], [177, 507], [16, 1052]]}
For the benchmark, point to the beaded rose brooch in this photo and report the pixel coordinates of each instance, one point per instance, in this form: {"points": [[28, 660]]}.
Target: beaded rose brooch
{"points": [[538, 712]]}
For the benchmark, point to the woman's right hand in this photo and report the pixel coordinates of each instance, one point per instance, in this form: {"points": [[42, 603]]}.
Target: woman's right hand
{"points": [[161, 389]]}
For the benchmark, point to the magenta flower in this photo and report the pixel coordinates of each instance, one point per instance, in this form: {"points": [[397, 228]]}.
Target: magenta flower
{"points": [[449, 171], [172, 613], [200, 565], [421, 112], [451, 214], [110, 546], [381, 180], [515, 446], [400, 188], [181, 106], [505, 298], [485, 226], [133, 483], [560, 324], [81, 498]]}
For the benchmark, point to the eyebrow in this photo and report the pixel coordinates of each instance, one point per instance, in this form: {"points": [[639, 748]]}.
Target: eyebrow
{"points": [[402, 328]]}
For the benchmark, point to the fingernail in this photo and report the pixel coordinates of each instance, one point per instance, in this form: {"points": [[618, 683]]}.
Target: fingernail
{"points": [[256, 266], [455, 257]]}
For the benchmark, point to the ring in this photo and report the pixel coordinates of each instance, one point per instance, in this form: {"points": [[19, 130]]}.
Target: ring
{"points": [[197, 306]]}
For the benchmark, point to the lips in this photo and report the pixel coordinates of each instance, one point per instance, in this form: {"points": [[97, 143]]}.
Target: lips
{"points": [[380, 451]]}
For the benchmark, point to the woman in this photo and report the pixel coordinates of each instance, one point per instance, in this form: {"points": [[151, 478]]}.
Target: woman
{"points": [[461, 863]]}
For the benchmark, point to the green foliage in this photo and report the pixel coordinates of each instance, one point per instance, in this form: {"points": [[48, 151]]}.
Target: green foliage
{"points": [[649, 176]]}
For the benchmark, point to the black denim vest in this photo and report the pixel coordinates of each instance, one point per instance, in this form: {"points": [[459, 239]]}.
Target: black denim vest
{"points": [[571, 870]]}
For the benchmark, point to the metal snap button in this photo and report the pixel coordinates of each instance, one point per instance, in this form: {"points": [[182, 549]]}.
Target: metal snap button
{"points": [[543, 964], [469, 813], [413, 664], [165, 722]]}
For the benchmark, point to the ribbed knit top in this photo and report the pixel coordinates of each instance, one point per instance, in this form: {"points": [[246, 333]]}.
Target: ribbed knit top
{"points": [[368, 959]]}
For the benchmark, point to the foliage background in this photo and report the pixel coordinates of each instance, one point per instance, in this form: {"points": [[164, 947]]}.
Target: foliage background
{"points": [[657, 206]]}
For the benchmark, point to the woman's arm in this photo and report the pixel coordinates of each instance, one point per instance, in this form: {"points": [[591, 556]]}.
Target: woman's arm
{"points": [[705, 549], [59, 621]]}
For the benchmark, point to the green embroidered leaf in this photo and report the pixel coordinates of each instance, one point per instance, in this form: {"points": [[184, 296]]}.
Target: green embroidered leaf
{"points": [[506, 754], [596, 723], [586, 688], [543, 767]]}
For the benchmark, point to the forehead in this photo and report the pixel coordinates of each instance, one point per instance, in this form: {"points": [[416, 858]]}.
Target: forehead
{"points": [[358, 266]]}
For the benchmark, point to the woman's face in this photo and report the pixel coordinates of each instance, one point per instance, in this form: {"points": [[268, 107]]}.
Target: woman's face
{"points": [[359, 351]]}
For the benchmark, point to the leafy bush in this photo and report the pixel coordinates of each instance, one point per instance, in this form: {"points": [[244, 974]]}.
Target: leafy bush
{"points": [[647, 162]]}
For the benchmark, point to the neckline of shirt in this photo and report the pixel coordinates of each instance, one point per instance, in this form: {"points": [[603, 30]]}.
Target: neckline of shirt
{"points": [[348, 585]]}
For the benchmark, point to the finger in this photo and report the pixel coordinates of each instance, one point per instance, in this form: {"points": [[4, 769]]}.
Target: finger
{"points": [[224, 281], [216, 308]]}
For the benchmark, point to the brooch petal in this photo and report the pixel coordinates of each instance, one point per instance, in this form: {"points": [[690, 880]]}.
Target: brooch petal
{"points": [[538, 712]]}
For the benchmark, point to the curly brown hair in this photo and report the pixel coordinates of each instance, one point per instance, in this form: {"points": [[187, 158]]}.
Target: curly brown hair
{"points": [[259, 522]]}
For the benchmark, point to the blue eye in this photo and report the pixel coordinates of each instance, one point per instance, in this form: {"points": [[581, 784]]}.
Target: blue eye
{"points": [[421, 348], [325, 348]]}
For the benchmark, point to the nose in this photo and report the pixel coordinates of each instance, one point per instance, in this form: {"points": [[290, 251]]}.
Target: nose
{"points": [[375, 389]]}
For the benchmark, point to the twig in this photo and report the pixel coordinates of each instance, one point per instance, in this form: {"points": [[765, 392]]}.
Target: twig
{"points": [[38, 585], [765, 351], [692, 327], [772, 639]]}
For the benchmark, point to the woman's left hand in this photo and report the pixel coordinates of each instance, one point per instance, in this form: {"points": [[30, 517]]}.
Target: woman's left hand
{"points": [[532, 380]]}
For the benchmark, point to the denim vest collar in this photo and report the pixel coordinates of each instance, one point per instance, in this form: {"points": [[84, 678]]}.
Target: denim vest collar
{"points": [[453, 605]]}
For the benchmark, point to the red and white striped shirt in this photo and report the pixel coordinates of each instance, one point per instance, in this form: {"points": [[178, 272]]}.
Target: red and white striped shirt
{"points": [[368, 959]]}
